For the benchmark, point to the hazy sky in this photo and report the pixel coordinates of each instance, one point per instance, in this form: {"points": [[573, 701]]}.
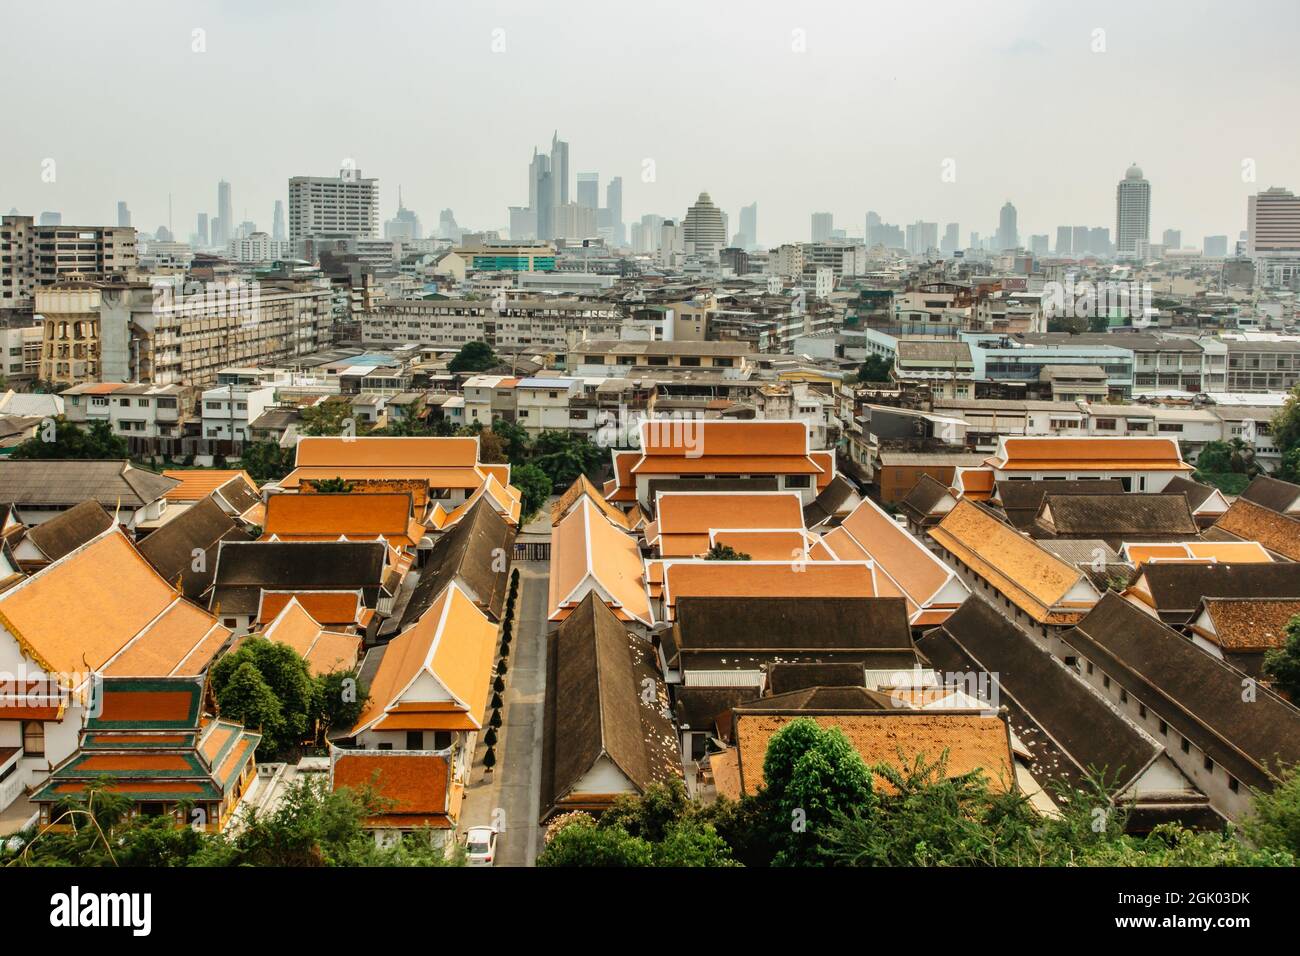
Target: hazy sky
{"points": [[718, 95]]}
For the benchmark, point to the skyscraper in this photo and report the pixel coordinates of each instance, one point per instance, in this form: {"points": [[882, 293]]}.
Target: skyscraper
{"points": [[404, 225], [951, 239], [589, 190], [1038, 245], [704, 231], [823, 223], [614, 208], [123, 214], [201, 230], [560, 168], [1079, 236], [1008, 232], [277, 226], [1172, 239], [1132, 214], [223, 228], [1215, 247], [749, 226], [1064, 245], [541, 195]]}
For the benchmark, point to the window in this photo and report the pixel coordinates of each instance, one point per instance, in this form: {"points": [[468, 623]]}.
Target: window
{"points": [[441, 739], [1105, 681], [1186, 745], [384, 746], [1142, 711], [33, 738], [798, 481], [1208, 764], [1232, 783], [1089, 667], [1164, 728], [415, 740], [1123, 696]]}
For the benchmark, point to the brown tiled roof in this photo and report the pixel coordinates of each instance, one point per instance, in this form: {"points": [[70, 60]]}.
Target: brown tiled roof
{"points": [[1249, 624], [596, 706], [1272, 493], [1251, 522], [1175, 589], [1115, 518], [1021, 500], [71, 529], [1199, 696], [171, 548], [1067, 729]]}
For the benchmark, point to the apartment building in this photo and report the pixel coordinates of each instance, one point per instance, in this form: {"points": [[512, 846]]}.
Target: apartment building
{"points": [[150, 417], [227, 410], [508, 325], [336, 207], [614, 357], [178, 334], [33, 255], [20, 346]]}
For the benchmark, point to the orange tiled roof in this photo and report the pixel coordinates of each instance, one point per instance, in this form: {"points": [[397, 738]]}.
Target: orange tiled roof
{"points": [[384, 451], [588, 552], [918, 574], [416, 784], [327, 607], [454, 643], [972, 742], [196, 483], [325, 651], [763, 545], [1089, 454], [1033, 579], [974, 483], [330, 516], [674, 438], [102, 601], [1245, 625], [700, 578], [1236, 552]]}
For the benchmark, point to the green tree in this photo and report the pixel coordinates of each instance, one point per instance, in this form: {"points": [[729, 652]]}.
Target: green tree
{"points": [[332, 486], [473, 357], [514, 438], [563, 456], [1283, 664], [332, 416], [582, 843], [340, 699], [1215, 457], [266, 461], [725, 552], [285, 674], [1274, 822], [1286, 423], [812, 775], [535, 487], [70, 440], [875, 369]]}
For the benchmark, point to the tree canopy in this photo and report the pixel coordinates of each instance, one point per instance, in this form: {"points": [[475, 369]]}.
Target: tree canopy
{"points": [[473, 357], [59, 438]]}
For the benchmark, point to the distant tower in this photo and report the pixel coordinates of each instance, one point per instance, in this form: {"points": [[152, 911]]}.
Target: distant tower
{"points": [[1008, 232], [123, 214], [224, 228], [704, 230], [1132, 214], [277, 224]]}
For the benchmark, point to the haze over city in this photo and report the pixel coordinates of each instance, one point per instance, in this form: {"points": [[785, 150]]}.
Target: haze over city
{"points": [[842, 108]]}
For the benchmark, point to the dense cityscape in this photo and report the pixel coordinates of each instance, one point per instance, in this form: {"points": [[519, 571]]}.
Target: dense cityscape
{"points": [[343, 528]]}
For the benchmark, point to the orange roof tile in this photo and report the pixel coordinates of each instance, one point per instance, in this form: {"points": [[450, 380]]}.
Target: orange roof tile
{"points": [[1088, 454], [697, 512], [79, 612], [452, 642], [675, 438], [701, 578], [327, 607], [415, 783], [356, 515], [763, 545], [972, 742], [587, 552], [1251, 522], [196, 483], [906, 561], [1236, 552], [1036, 581], [384, 451]]}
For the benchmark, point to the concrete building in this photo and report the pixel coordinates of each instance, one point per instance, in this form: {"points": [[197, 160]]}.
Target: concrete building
{"points": [[1132, 215], [1273, 236], [704, 230], [32, 255], [323, 206]]}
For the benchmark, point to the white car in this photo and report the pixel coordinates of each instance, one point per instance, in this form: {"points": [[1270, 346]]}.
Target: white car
{"points": [[481, 845]]}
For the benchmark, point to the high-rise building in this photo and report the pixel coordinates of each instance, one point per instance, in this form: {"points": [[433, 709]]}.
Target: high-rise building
{"points": [[1215, 247], [1132, 214], [1064, 243], [123, 214], [201, 230], [1099, 241], [749, 226], [589, 190], [277, 223], [1038, 244], [1172, 239], [575, 221], [648, 231], [404, 225], [223, 226], [448, 227], [342, 207], [50, 219], [560, 168], [614, 208], [541, 195], [823, 224], [1008, 231], [922, 237], [951, 239], [704, 230], [1080, 237], [672, 242], [1273, 236]]}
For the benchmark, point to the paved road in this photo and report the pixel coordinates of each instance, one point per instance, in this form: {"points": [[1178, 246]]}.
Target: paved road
{"points": [[512, 793]]}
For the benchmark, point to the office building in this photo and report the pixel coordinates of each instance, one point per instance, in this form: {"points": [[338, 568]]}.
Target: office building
{"points": [[1132, 215], [1008, 230], [123, 215], [346, 206], [704, 230], [589, 190], [823, 224], [33, 255]]}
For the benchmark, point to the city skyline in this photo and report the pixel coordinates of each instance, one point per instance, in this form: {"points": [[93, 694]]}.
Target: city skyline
{"points": [[1200, 191]]}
